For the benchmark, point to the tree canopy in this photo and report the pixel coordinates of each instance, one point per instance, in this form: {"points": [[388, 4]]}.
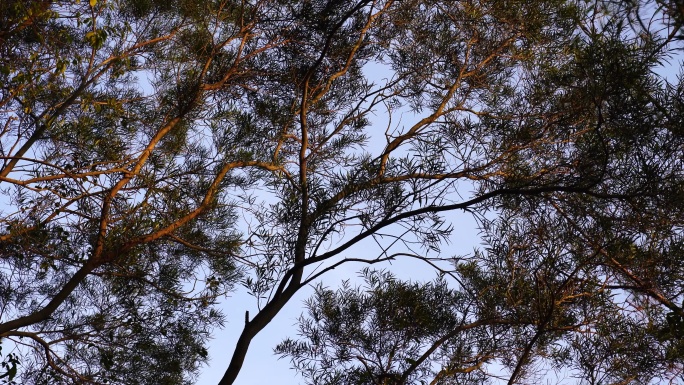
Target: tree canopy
{"points": [[157, 155]]}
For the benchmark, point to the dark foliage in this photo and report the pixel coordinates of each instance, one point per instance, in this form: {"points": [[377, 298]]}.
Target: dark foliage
{"points": [[158, 155]]}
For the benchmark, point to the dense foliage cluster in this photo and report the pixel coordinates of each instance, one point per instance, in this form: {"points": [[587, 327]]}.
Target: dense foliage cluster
{"points": [[156, 155]]}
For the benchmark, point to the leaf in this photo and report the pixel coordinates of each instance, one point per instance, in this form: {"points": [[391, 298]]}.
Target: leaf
{"points": [[60, 67], [12, 372], [93, 2], [90, 36]]}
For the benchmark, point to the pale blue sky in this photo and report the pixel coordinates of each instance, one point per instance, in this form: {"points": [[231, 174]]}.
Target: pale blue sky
{"points": [[261, 366]]}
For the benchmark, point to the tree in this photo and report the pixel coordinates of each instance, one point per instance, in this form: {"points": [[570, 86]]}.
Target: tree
{"points": [[160, 154], [584, 279]]}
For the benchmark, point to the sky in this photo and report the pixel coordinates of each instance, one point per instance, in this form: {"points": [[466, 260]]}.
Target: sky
{"points": [[261, 366]]}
